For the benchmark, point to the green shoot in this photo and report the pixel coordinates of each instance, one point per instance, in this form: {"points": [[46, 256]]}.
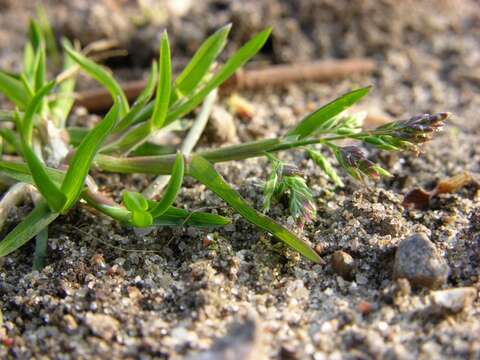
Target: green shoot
{"points": [[120, 143], [162, 99]]}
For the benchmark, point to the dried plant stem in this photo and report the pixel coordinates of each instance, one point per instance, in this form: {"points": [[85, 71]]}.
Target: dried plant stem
{"points": [[188, 144], [278, 75], [12, 198]]}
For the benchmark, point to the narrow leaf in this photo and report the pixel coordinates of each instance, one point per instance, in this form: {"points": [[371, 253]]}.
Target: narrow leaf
{"points": [[237, 60], [203, 171], [61, 107], [102, 76], [180, 217], [80, 164], [39, 69], [130, 140], [162, 98], [35, 34], [12, 138], [20, 172], [202, 61], [28, 61], [173, 187], [14, 90], [31, 225], [141, 100], [45, 185], [49, 36], [313, 121], [32, 109]]}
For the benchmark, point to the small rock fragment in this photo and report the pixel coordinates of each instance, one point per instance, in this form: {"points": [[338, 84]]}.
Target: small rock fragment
{"points": [[241, 343], [101, 325], [221, 126], [453, 300], [70, 322], [364, 307], [240, 106], [418, 261], [343, 264]]}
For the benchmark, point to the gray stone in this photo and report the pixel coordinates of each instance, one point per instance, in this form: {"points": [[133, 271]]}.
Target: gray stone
{"points": [[241, 343], [453, 300], [418, 260]]}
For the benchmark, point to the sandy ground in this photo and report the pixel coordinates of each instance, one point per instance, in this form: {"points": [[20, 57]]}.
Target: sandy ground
{"points": [[109, 292]]}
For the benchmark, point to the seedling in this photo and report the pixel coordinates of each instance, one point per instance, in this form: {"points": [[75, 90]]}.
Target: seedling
{"points": [[38, 152]]}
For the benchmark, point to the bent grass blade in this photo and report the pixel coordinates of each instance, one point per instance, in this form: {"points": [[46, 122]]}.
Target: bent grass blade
{"points": [[203, 171]]}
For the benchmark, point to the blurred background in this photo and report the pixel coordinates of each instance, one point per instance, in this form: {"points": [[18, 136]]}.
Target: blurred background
{"points": [[427, 51]]}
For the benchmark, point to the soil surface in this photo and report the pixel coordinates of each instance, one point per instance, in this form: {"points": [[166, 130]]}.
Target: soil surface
{"points": [[111, 292]]}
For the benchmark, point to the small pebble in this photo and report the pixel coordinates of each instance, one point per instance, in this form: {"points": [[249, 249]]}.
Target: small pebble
{"points": [[221, 126], [453, 300], [418, 260], [364, 307], [343, 264], [103, 326]]}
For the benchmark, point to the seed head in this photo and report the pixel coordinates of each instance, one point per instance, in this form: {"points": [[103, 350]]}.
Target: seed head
{"points": [[420, 128], [355, 163]]}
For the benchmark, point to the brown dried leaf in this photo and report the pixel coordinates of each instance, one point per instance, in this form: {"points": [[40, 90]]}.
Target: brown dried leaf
{"points": [[453, 183], [417, 199], [420, 199]]}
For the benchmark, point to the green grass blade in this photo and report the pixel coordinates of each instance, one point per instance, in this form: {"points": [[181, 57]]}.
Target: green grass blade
{"points": [[45, 185], [203, 171], [19, 171], [14, 90], [31, 225], [164, 86], [201, 61], [100, 75], [61, 107], [28, 61], [32, 109], [173, 187], [315, 120], [41, 242], [141, 100], [130, 140], [39, 69], [49, 36], [149, 88], [180, 217], [80, 164], [76, 134], [35, 34], [149, 149], [238, 59], [12, 138]]}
